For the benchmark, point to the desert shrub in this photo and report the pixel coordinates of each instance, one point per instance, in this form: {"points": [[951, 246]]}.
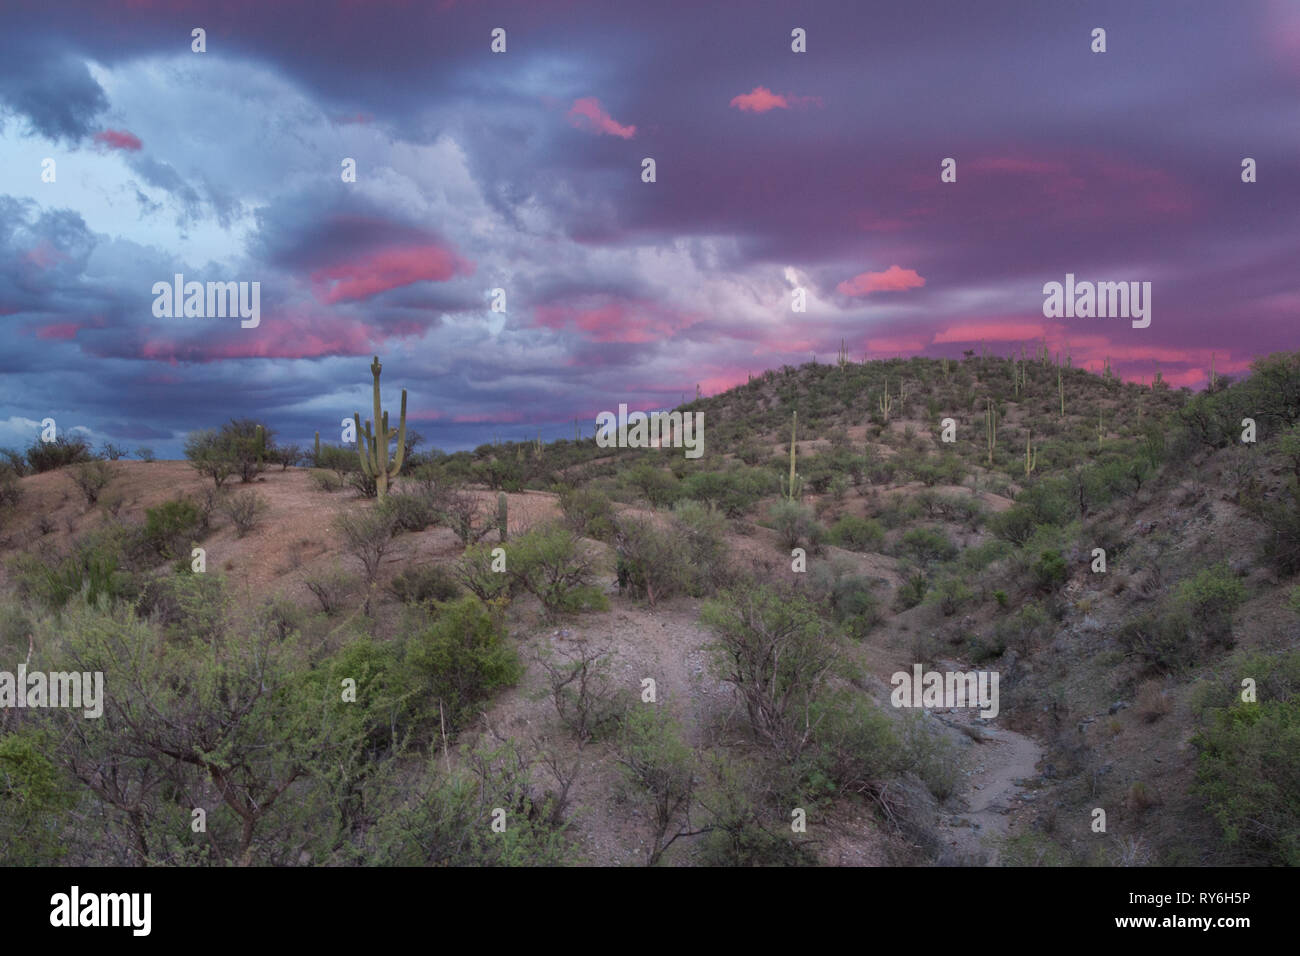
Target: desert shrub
{"points": [[857, 534], [188, 606], [410, 511], [112, 452], [43, 456], [208, 456], [856, 747], [286, 456], [1281, 545], [91, 477], [849, 596], [651, 562], [772, 648], [1249, 762], [93, 569], [13, 461], [950, 594], [483, 574], [587, 512], [460, 661], [795, 526], [582, 690], [550, 563], [461, 512], [331, 588], [703, 532], [732, 492], [1161, 640], [926, 545], [11, 489], [912, 591], [653, 483], [979, 557], [244, 509], [740, 831], [362, 483], [429, 582], [1049, 570], [657, 762], [33, 797], [930, 755], [144, 453], [325, 481], [171, 528], [1212, 596], [342, 461]]}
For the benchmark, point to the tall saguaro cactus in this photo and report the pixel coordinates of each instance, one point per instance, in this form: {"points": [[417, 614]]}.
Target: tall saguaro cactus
{"points": [[794, 489], [373, 446], [991, 429]]}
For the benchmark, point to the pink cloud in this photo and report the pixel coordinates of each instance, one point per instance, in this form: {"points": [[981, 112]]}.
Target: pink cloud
{"points": [[59, 330], [387, 269], [892, 279], [43, 255], [118, 139], [290, 334], [586, 113], [615, 320], [990, 331], [760, 101]]}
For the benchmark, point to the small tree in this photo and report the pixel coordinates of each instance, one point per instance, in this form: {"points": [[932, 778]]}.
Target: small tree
{"points": [[367, 536], [91, 477]]}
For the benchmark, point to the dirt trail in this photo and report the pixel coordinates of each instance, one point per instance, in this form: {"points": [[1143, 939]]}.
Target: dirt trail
{"points": [[1000, 772]]}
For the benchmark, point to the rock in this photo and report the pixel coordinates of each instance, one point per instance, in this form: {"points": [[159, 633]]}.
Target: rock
{"points": [[1119, 705]]}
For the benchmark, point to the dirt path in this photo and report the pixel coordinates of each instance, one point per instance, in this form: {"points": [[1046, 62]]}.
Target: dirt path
{"points": [[1000, 773]]}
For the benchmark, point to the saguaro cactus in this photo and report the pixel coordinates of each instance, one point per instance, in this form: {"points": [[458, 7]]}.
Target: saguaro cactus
{"points": [[793, 489], [373, 447], [503, 514], [991, 429], [1060, 386], [885, 403], [1031, 454]]}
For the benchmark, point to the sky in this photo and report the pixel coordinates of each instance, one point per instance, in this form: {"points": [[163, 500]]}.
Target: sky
{"points": [[522, 171]]}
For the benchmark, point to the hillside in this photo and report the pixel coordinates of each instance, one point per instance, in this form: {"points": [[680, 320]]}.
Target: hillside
{"points": [[524, 689]]}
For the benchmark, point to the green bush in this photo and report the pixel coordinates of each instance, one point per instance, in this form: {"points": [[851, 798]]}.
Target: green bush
{"points": [[926, 546], [550, 563], [1049, 570], [43, 456], [460, 660], [857, 534], [410, 511], [92, 570], [1211, 597], [1249, 765], [484, 575], [588, 513], [429, 582], [795, 526], [171, 527]]}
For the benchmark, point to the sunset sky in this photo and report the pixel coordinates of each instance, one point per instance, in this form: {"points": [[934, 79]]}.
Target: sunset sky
{"points": [[522, 171]]}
